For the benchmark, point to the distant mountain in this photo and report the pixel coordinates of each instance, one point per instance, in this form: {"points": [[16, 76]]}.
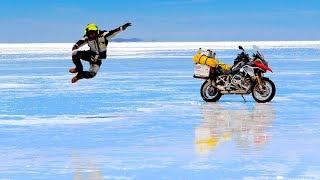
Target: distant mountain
{"points": [[127, 40]]}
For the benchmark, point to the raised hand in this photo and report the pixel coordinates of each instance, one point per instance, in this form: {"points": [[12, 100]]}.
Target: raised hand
{"points": [[125, 26]]}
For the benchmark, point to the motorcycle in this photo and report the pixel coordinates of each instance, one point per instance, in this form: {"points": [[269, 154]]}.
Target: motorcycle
{"points": [[245, 77]]}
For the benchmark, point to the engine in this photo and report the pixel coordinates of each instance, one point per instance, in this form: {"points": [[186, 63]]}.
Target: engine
{"points": [[237, 80], [240, 82]]}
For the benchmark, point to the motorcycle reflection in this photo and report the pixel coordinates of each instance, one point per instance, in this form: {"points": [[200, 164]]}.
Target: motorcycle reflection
{"points": [[85, 169], [248, 128]]}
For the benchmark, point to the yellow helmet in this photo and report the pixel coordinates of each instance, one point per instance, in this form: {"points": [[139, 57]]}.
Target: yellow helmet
{"points": [[91, 27]]}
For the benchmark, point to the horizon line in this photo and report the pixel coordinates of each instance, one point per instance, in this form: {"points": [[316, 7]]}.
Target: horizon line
{"points": [[167, 41]]}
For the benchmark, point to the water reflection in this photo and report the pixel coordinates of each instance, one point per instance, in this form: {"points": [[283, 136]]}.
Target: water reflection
{"points": [[85, 169], [246, 126]]}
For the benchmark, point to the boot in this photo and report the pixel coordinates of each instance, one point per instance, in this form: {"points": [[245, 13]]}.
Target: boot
{"points": [[74, 79], [73, 70]]}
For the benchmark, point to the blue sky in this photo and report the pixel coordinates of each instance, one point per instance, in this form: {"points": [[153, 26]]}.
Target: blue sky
{"points": [[165, 20]]}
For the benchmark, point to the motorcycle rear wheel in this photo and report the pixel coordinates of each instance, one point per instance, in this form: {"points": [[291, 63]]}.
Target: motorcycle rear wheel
{"points": [[209, 93]]}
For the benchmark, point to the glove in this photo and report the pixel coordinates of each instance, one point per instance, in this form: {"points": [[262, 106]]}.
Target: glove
{"points": [[125, 26], [74, 47], [95, 58]]}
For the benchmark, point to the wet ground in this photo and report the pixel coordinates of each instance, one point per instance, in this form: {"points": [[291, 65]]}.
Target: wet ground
{"points": [[143, 118]]}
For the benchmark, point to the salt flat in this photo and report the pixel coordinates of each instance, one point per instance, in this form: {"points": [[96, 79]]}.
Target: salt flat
{"points": [[142, 117]]}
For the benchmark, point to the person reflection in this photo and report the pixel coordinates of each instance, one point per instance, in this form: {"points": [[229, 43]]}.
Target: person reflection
{"points": [[244, 126]]}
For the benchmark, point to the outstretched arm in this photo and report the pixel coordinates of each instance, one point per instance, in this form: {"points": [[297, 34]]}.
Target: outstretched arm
{"points": [[80, 43], [110, 34]]}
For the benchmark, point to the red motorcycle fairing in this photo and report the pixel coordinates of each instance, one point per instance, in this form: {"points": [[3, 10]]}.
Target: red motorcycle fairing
{"points": [[262, 66]]}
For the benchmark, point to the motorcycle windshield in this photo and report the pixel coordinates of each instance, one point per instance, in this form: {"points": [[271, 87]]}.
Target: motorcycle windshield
{"points": [[258, 51]]}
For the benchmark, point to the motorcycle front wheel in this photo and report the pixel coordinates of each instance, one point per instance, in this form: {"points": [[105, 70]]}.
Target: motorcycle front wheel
{"points": [[267, 93], [209, 93]]}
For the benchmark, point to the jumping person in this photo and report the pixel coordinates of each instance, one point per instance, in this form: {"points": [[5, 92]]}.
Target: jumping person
{"points": [[97, 40]]}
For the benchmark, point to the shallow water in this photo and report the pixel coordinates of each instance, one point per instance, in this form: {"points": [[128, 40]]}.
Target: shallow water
{"points": [[143, 118]]}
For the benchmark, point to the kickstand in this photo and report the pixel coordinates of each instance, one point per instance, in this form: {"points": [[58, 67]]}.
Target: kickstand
{"points": [[243, 98]]}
